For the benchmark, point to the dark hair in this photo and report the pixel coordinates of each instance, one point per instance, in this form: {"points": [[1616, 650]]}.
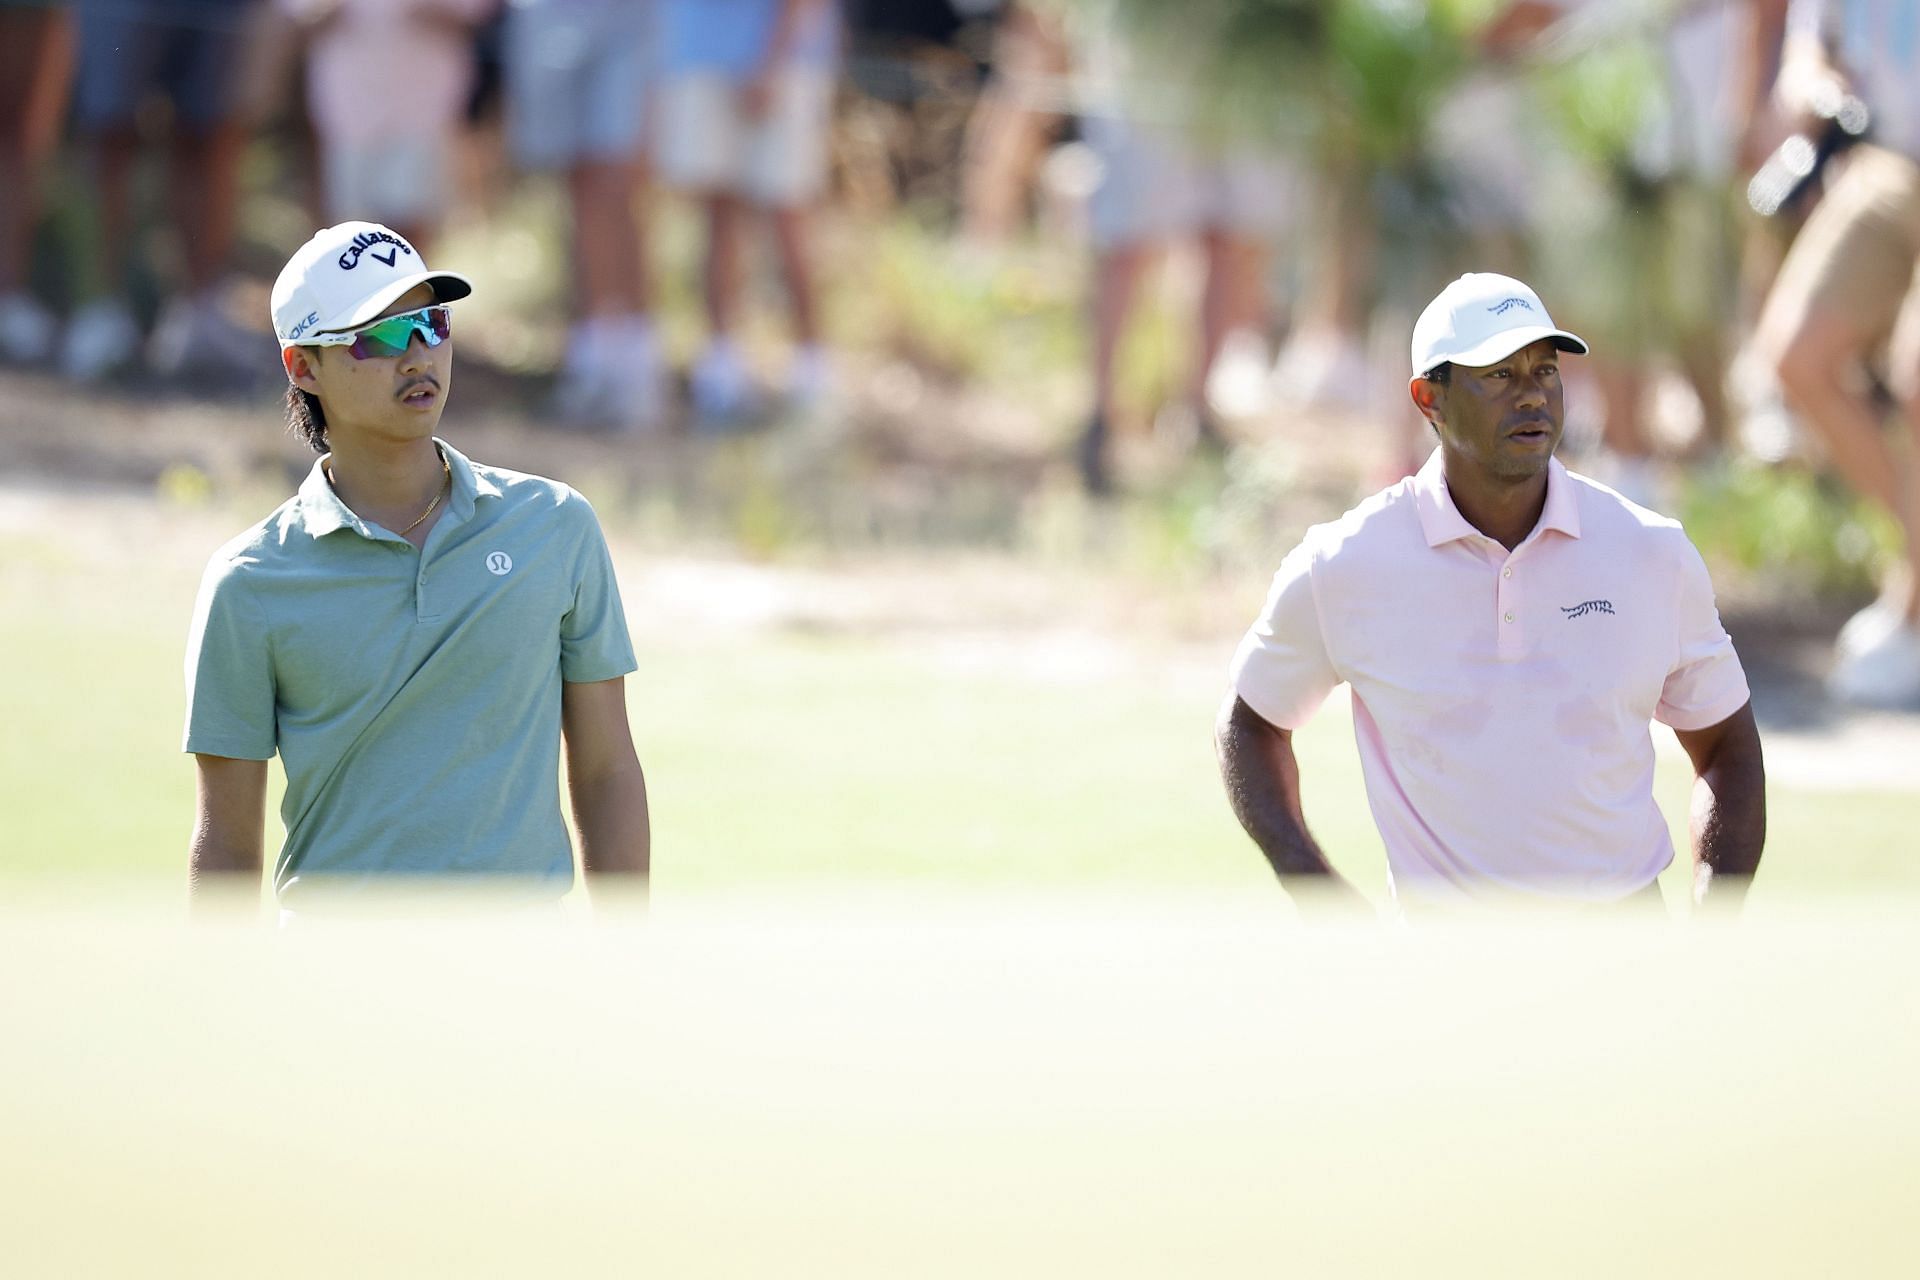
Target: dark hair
{"points": [[306, 418], [1441, 374]]}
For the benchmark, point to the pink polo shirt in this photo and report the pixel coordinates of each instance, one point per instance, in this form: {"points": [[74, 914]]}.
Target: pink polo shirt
{"points": [[1501, 700]]}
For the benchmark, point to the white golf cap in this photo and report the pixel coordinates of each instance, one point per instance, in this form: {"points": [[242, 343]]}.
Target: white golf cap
{"points": [[1481, 319], [348, 274]]}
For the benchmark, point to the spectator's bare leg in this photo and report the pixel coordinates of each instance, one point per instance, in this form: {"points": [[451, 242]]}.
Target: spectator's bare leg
{"points": [[1234, 298], [725, 216], [1623, 389], [114, 152], [204, 190], [1117, 276], [609, 266], [1816, 364], [791, 244], [1009, 127], [36, 66], [1703, 357]]}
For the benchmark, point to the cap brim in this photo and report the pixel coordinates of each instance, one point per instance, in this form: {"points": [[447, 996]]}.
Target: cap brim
{"points": [[1503, 344], [448, 286]]}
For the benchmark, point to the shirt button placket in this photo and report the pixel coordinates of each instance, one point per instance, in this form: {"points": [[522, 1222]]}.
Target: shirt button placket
{"points": [[1509, 602]]}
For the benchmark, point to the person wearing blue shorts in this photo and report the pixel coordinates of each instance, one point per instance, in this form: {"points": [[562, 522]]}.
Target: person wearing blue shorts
{"points": [[578, 76], [186, 51]]}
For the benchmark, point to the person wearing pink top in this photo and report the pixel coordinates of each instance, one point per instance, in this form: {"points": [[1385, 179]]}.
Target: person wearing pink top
{"points": [[1508, 631], [386, 83]]}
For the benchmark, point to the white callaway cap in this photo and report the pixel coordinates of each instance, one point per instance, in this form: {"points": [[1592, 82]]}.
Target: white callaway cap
{"points": [[1481, 319], [347, 275]]}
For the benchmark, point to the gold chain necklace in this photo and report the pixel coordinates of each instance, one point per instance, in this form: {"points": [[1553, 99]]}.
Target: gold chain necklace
{"points": [[446, 483]]}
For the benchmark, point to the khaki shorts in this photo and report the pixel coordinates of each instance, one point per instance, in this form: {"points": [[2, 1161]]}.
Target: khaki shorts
{"points": [[1154, 188], [1857, 255], [706, 143], [400, 179]]}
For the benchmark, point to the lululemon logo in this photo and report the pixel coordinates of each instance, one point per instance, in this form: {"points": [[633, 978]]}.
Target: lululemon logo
{"points": [[499, 563]]}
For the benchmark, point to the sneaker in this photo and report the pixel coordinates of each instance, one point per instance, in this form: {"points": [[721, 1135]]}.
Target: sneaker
{"points": [[1869, 627], [581, 395], [1240, 384], [26, 329], [1881, 670], [1322, 370], [1091, 453], [101, 339], [722, 392], [195, 336], [634, 380], [809, 379]]}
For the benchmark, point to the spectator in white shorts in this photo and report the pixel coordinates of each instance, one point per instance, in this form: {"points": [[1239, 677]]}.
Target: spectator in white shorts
{"points": [[1158, 186], [386, 83], [578, 77], [746, 102]]}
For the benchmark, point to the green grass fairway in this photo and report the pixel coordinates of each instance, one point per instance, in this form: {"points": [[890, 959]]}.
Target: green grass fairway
{"points": [[774, 758]]}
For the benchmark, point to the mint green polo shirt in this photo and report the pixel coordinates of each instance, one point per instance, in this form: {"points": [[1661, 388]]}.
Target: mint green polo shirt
{"points": [[413, 696]]}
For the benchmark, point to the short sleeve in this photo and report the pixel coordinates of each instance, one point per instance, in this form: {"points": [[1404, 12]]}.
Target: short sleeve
{"points": [[1707, 683], [594, 644], [1282, 669], [230, 689]]}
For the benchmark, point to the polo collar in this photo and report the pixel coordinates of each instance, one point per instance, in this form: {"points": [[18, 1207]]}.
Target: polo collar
{"points": [[322, 512], [1442, 522]]}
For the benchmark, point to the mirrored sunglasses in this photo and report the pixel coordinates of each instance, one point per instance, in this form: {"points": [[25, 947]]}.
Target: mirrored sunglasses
{"points": [[389, 336]]}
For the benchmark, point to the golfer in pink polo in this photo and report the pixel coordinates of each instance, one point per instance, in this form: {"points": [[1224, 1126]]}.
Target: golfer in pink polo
{"points": [[1509, 631]]}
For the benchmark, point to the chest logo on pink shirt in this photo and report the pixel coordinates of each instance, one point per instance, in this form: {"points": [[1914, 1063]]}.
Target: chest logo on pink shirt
{"points": [[1586, 607]]}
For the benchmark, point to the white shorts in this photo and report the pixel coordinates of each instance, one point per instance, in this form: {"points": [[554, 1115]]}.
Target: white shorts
{"points": [[707, 143], [1154, 189], [577, 81], [396, 180]]}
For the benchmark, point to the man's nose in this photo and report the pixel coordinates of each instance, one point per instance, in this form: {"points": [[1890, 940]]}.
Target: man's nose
{"points": [[414, 358], [1533, 390]]}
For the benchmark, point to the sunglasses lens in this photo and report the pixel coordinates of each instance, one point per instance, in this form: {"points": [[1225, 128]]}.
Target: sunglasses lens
{"points": [[390, 336]]}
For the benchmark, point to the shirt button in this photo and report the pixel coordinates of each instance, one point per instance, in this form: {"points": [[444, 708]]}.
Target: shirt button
{"points": [[1507, 572], [1509, 615]]}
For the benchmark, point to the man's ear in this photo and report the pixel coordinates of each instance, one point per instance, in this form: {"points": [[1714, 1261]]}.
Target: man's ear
{"points": [[299, 363], [1426, 398]]}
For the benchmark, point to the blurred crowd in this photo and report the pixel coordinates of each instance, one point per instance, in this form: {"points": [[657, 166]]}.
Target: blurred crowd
{"points": [[728, 100], [1724, 195]]}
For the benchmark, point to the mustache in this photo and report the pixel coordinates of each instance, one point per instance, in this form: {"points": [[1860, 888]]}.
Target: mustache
{"points": [[414, 384]]}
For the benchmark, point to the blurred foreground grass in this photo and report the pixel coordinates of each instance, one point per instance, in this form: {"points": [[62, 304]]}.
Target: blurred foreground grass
{"points": [[802, 1086]]}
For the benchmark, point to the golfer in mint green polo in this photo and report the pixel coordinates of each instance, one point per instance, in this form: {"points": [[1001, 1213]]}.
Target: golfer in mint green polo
{"points": [[415, 635]]}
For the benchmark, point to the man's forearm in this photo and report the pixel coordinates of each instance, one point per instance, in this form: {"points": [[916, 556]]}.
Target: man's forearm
{"points": [[615, 829], [1729, 827], [1263, 789]]}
